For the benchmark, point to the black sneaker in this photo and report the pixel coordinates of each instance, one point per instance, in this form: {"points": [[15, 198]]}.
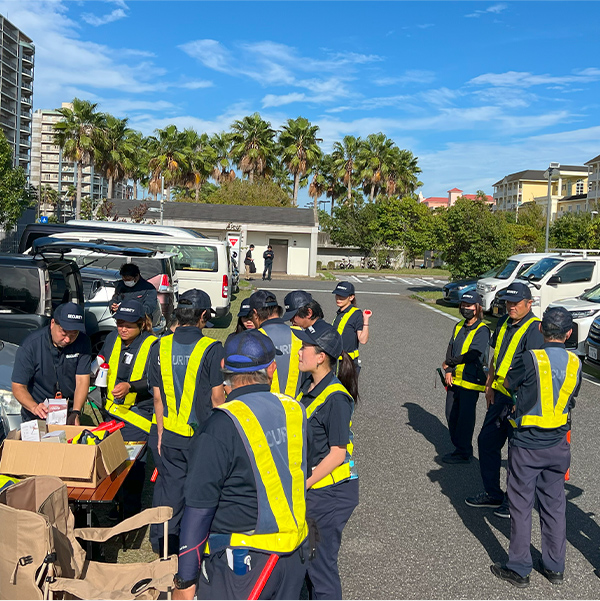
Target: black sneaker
{"points": [[553, 577], [503, 511], [455, 459], [483, 500], [504, 573]]}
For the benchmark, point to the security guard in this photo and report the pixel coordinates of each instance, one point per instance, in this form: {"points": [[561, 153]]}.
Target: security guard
{"points": [[515, 334], [244, 321], [128, 398], [185, 375], [55, 360], [246, 487], [546, 385], [465, 377], [301, 309], [266, 314], [332, 486], [134, 287], [351, 323]]}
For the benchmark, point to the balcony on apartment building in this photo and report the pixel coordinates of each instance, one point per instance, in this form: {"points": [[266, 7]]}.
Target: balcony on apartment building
{"points": [[7, 60]]}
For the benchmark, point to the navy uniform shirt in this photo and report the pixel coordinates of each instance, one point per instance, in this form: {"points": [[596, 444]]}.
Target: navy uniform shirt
{"points": [[209, 376], [143, 292], [220, 473], [532, 339], [329, 425], [474, 357], [268, 257], [45, 369], [524, 380], [353, 326], [144, 399]]}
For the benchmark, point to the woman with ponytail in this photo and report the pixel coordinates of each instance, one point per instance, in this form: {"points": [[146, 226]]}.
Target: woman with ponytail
{"points": [[332, 485]]}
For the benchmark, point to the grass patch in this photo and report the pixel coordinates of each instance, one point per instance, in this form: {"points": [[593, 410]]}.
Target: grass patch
{"points": [[327, 275], [428, 295]]}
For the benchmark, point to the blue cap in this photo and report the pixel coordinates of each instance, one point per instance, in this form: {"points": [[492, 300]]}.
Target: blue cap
{"points": [[249, 351], [262, 299], [130, 310], [69, 316], [344, 289], [245, 308], [516, 292], [197, 299], [323, 335], [295, 300], [471, 298]]}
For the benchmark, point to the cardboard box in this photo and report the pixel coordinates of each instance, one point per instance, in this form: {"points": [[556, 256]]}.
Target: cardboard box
{"points": [[79, 465], [34, 430]]}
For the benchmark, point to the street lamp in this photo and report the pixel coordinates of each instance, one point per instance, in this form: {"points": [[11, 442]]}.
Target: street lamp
{"points": [[553, 167]]}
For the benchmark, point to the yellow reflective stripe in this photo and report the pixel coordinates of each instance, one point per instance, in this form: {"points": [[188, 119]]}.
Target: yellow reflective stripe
{"points": [[323, 397], [129, 416], [553, 416], [280, 542], [458, 380], [275, 381], [342, 324], [294, 370], [178, 421], [500, 373], [341, 472], [352, 354], [265, 464]]}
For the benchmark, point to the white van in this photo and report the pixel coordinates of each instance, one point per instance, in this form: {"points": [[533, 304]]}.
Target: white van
{"points": [[565, 275], [512, 268], [141, 228], [199, 262]]}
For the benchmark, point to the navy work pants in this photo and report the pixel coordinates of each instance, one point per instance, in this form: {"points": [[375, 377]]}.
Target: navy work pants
{"points": [[331, 507], [461, 404], [267, 270], [496, 430], [219, 581], [168, 491], [541, 473]]}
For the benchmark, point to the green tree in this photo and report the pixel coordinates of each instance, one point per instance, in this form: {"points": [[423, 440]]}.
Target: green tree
{"points": [[201, 160], [299, 149], [345, 156], [48, 196], [115, 149], [79, 135], [402, 172], [571, 230], [477, 239], [15, 194], [167, 159], [374, 162], [221, 144], [136, 162], [261, 192], [253, 145]]}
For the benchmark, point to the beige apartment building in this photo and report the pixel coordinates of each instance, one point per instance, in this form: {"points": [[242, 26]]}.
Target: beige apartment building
{"points": [[568, 189], [16, 90], [49, 168], [593, 181]]}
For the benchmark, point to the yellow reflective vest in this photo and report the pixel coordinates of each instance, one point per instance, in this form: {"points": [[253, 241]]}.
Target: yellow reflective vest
{"points": [[177, 416], [281, 477], [558, 372], [458, 379], [341, 325], [501, 370], [123, 411], [291, 385], [347, 470]]}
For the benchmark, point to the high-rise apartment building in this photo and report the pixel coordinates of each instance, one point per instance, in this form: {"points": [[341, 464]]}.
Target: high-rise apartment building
{"points": [[49, 168], [16, 90]]}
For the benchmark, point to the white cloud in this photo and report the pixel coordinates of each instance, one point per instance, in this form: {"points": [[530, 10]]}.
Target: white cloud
{"points": [[96, 21], [524, 79], [494, 10], [196, 85], [274, 100], [410, 76]]}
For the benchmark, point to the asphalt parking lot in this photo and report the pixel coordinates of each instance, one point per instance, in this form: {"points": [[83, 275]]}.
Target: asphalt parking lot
{"points": [[412, 536]]}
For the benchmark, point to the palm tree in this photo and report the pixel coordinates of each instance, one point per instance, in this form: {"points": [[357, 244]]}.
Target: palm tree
{"points": [[253, 145], [167, 159], [221, 144], [115, 150], [299, 149], [374, 159], [201, 159], [402, 174], [318, 187], [136, 161], [78, 135], [345, 156]]}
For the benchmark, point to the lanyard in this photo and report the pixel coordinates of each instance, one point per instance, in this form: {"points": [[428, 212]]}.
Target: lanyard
{"points": [[57, 391]]}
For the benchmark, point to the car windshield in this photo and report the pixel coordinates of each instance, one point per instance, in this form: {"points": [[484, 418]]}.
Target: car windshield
{"points": [[538, 270], [192, 257], [592, 296], [489, 274], [507, 270]]}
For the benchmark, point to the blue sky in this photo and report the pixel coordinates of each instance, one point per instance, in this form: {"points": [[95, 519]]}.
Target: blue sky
{"points": [[476, 90]]}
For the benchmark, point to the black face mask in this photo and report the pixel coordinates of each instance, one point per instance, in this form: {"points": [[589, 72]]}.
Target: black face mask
{"points": [[467, 313]]}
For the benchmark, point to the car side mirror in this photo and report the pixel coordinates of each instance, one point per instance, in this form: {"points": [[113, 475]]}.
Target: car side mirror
{"points": [[555, 279]]}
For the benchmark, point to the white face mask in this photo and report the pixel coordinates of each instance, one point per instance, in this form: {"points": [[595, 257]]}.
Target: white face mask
{"points": [[129, 284]]}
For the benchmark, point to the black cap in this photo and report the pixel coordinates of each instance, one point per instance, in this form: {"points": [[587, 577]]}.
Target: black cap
{"points": [[323, 335], [245, 308], [471, 298], [344, 289], [295, 300], [557, 318], [516, 292], [197, 299], [262, 299], [130, 310], [69, 316], [249, 351]]}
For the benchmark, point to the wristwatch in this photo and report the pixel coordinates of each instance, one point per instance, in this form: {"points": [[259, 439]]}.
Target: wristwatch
{"points": [[181, 584]]}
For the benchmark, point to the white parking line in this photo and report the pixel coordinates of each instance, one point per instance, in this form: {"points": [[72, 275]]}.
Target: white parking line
{"points": [[591, 379], [361, 291], [442, 313]]}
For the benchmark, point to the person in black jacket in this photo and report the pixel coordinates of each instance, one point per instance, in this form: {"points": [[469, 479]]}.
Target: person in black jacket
{"points": [[268, 257], [134, 287]]}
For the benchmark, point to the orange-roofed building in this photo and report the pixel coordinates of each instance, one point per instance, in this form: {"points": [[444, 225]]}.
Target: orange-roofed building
{"points": [[434, 202]]}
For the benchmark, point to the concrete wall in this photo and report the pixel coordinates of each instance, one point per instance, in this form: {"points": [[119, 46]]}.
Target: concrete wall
{"points": [[298, 256]]}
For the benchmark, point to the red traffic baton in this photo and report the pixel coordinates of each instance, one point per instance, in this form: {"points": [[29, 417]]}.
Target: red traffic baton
{"points": [[154, 475], [367, 312], [568, 474], [263, 578]]}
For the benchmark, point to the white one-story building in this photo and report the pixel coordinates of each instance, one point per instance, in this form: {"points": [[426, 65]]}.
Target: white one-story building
{"points": [[292, 232]]}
